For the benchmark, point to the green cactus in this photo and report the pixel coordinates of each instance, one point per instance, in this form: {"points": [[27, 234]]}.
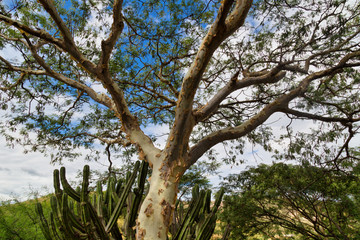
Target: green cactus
{"points": [[79, 214], [199, 221]]}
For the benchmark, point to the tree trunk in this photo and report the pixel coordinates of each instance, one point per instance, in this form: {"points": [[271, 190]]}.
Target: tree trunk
{"points": [[156, 211]]}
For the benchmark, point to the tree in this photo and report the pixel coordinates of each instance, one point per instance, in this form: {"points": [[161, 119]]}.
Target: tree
{"points": [[98, 71], [310, 202]]}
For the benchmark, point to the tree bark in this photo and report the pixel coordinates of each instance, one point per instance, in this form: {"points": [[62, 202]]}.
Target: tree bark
{"points": [[158, 206]]}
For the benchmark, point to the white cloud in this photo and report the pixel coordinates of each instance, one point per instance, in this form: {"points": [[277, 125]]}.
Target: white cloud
{"points": [[19, 171], [11, 54]]}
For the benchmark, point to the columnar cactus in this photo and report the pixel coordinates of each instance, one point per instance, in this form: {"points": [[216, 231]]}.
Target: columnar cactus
{"points": [[199, 220], [81, 214]]}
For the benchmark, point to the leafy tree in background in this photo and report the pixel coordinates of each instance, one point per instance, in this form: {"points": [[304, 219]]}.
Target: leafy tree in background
{"points": [[94, 71], [293, 200]]}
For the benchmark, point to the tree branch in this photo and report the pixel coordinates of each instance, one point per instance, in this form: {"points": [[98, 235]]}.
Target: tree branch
{"points": [[265, 77], [18, 82], [22, 70], [277, 105], [68, 43], [100, 98], [116, 29], [37, 33], [222, 28], [317, 117]]}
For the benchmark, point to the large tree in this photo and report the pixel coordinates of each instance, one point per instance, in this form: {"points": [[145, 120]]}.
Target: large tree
{"points": [[302, 200], [214, 71]]}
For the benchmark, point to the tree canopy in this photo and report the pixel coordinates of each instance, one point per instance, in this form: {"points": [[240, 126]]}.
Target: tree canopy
{"points": [[293, 200], [90, 72]]}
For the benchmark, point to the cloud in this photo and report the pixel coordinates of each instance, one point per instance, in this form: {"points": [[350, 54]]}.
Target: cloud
{"points": [[4, 169], [23, 173], [31, 172]]}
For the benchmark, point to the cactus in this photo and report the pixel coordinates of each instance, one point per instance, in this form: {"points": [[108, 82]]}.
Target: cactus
{"points": [[79, 214], [199, 221]]}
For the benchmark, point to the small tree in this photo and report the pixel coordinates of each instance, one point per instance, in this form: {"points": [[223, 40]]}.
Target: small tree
{"points": [[213, 71], [304, 201]]}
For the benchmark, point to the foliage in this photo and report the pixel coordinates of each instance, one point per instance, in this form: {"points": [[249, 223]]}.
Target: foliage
{"points": [[293, 200], [18, 220], [92, 73], [157, 44]]}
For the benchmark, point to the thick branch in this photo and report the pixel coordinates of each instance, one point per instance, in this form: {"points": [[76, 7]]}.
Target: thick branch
{"points": [[37, 33], [222, 28], [218, 32], [100, 98], [68, 43], [234, 132], [64, 30], [116, 29]]}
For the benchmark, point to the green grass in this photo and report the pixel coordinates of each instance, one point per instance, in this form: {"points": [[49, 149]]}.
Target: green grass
{"points": [[18, 220]]}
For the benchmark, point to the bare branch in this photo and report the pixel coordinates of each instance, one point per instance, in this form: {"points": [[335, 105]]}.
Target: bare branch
{"points": [[306, 115]]}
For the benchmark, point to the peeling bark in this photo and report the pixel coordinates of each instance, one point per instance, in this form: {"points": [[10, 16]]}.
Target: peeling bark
{"points": [[160, 201]]}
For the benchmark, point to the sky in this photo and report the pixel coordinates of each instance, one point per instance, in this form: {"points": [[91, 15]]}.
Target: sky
{"points": [[21, 173]]}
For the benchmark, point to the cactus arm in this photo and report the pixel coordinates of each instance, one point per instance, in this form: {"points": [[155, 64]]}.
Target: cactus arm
{"points": [[207, 228], [138, 194], [143, 173], [192, 213], [56, 179], [218, 200], [43, 223], [53, 228], [58, 216], [207, 201], [66, 219], [117, 211], [75, 222], [118, 187], [115, 232], [100, 208], [84, 195], [67, 188], [99, 227]]}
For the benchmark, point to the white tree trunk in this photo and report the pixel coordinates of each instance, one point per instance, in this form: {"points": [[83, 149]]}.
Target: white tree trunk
{"points": [[156, 211]]}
